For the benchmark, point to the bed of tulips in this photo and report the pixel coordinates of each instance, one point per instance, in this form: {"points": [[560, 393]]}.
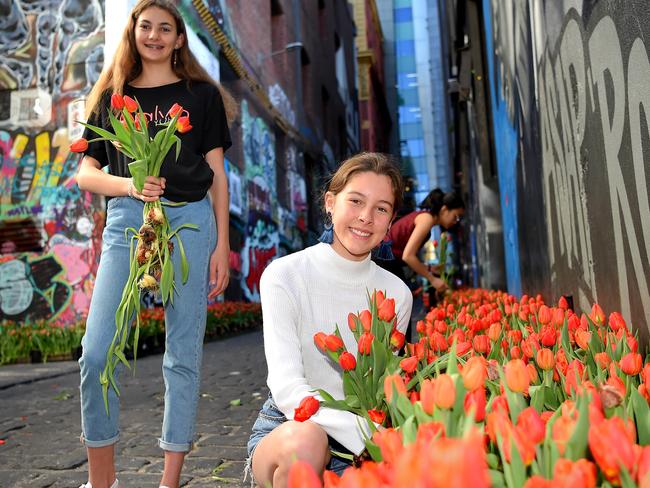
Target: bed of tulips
{"points": [[496, 392]]}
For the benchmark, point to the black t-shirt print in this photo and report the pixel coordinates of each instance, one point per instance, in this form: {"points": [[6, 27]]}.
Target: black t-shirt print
{"points": [[188, 178]]}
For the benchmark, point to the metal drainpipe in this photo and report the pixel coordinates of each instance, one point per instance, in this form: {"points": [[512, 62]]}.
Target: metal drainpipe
{"points": [[297, 26]]}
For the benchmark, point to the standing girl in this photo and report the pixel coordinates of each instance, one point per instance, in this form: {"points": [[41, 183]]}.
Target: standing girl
{"points": [[154, 65], [311, 291]]}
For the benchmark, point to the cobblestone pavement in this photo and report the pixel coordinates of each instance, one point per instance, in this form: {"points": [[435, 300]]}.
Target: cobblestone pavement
{"points": [[40, 420]]}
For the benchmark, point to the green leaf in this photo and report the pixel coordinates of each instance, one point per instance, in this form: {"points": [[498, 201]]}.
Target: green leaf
{"points": [[576, 447], [352, 401], [185, 268], [167, 276], [642, 416], [235, 403], [121, 357], [138, 170], [100, 132]]}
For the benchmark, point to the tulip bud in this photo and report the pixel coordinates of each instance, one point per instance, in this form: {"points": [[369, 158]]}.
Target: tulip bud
{"points": [[397, 340], [597, 315], [302, 475], [582, 338], [444, 391], [352, 322], [365, 343], [631, 363], [347, 361], [517, 377], [477, 400], [409, 365], [320, 341], [308, 406], [544, 315], [530, 422], [387, 310], [545, 359], [366, 320], [80, 145], [393, 383], [474, 373], [175, 109], [427, 396], [117, 102], [377, 416], [334, 343], [130, 104]]}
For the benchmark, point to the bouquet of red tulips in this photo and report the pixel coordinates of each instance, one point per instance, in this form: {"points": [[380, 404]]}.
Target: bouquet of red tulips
{"points": [[151, 268]]}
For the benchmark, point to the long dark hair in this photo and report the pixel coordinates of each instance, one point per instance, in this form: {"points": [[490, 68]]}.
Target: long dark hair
{"points": [[436, 199], [127, 65]]}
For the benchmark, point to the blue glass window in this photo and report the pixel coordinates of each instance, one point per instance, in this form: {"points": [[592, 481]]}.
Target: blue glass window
{"points": [[405, 47], [404, 14]]}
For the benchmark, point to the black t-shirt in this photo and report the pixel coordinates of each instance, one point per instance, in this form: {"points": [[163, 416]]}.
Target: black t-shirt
{"points": [[188, 178]]}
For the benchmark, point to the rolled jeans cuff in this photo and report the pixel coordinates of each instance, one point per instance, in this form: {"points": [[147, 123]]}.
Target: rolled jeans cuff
{"points": [[104, 443], [169, 446]]}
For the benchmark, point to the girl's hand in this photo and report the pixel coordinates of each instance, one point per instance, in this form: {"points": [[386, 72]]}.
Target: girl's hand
{"points": [[438, 284], [152, 190], [219, 272]]}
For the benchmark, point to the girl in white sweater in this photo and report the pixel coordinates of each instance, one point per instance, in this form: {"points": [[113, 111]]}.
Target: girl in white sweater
{"points": [[311, 291]]}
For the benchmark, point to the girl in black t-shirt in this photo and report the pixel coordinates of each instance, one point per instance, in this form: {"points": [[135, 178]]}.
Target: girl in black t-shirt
{"points": [[154, 65]]}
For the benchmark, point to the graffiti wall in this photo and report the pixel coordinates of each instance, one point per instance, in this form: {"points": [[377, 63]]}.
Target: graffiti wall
{"points": [[49, 229], [570, 83]]}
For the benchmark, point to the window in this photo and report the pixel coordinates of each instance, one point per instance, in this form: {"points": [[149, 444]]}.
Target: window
{"points": [[409, 97], [403, 14], [411, 131], [405, 47], [404, 30], [406, 64]]}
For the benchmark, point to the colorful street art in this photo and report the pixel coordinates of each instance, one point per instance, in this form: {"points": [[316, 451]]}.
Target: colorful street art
{"points": [[53, 55], [262, 242]]}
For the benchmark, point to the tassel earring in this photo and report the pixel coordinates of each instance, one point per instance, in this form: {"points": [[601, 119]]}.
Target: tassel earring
{"points": [[175, 57], [327, 237], [384, 251]]}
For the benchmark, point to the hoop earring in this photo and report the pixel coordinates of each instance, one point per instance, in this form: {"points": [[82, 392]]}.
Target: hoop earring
{"points": [[327, 237]]}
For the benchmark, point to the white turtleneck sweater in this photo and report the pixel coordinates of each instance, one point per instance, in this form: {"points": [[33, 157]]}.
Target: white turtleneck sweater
{"points": [[308, 292]]}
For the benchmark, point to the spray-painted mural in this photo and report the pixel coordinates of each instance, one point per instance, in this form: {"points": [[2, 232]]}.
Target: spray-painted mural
{"points": [[582, 72], [52, 56]]}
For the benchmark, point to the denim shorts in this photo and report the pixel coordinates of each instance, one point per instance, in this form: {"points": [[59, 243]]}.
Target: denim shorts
{"points": [[271, 417]]}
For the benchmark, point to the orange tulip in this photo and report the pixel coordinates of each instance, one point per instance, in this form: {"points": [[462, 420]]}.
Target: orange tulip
{"points": [[581, 473], [352, 322], [80, 145], [517, 377], [397, 340], [409, 365], [377, 416], [130, 104], [331, 479], [617, 322], [582, 338], [474, 373], [183, 124], [444, 391], [544, 315], [386, 311], [602, 359], [366, 320], [530, 422], [365, 343], [427, 396], [320, 339], [562, 431], [545, 359], [390, 444], [643, 472], [334, 343], [303, 475], [537, 481], [612, 446], [631, 363], [175, 109], [597, 315], [393, 382]]}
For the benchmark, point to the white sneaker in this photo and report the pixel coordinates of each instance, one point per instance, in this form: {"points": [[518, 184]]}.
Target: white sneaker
{"points": [[116, 484]]}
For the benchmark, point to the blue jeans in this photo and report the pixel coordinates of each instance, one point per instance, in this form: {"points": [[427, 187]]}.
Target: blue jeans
{"points": [[271, 417], [184, 323]]}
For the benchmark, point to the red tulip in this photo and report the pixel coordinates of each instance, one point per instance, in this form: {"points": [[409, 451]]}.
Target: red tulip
{"points": [[175, 109], [581, 473], [631, 363], [377, 416], [548, 336], [183, 125], [80, 145], [303, 475], [117, 102], [477, 400], [644, 467], [597, 315], [390, 444], [352, 322], [331, 479], [409, 365], [387, 310], [366, 320], [544, 315], [562, 303], [602, 359], [130, 104], [537, 481], [365, 343], [530, 422], [582, 338], [308, 406], [612, 447], [334, 343], [562, 431], [481, 344], [320, 339], [397, 340], [347, 361]]}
